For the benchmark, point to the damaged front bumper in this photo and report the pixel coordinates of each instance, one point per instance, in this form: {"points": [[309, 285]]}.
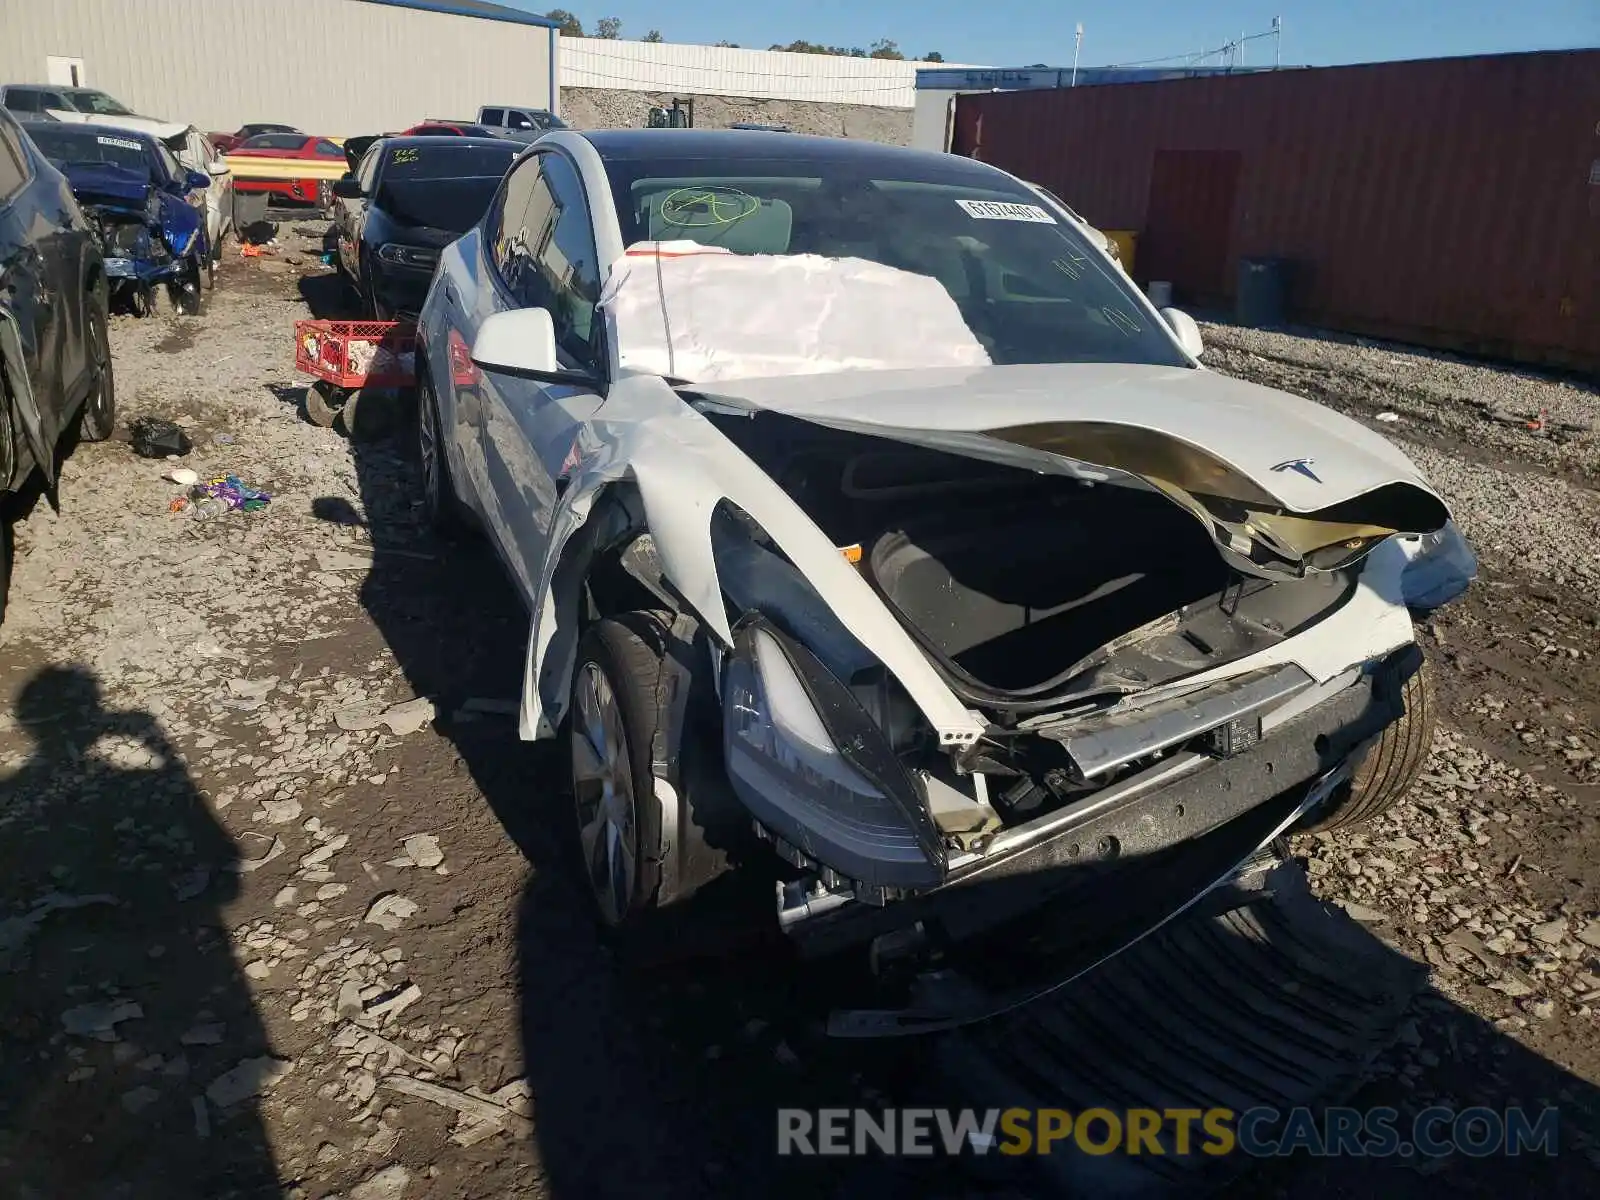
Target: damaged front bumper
{"points": [[143, 271], [1194, 793]]}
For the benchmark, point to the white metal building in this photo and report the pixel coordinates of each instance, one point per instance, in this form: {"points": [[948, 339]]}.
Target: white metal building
{"points": [[338, 67]]}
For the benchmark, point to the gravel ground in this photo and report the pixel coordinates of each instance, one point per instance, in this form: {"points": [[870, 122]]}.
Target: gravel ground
{"points": [[285, 910]]}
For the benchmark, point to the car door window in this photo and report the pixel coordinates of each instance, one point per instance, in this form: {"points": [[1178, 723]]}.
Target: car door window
{"points": [[367, 172], [24, 100], [326, 149], [519, 120], [544, 249], [174, 170], [13, 161], [493, 116]]}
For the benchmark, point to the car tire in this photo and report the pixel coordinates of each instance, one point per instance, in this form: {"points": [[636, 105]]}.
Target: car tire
{"points": [[5, 556], [611, 723], [97, 418], [440, 505], [371, 310], [1389, 766], [323, 402]]}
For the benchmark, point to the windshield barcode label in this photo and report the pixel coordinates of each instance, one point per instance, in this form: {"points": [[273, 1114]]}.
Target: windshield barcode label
{"points": [[996, 210]]}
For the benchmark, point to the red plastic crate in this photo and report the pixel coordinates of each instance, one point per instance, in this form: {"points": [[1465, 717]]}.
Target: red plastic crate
{"points": [[344, 353]]}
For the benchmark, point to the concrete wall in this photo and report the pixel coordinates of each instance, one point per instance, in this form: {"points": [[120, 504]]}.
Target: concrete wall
{"points": [[731, 71], [335, 67], [603, 108]]}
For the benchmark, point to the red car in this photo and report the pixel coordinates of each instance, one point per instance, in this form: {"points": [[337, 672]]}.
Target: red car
{"points": [[314, 191], [227, 141], [443, 128]]}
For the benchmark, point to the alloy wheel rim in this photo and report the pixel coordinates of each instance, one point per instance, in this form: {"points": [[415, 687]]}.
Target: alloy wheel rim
{"points": [[98, 398], [603, 791], [428, 450]]}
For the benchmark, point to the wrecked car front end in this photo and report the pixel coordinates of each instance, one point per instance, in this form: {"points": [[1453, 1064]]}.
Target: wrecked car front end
{"points": [[149, 237], [957, 586]]}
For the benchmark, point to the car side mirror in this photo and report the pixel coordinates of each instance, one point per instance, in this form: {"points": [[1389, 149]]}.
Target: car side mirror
{"points": [[1187, 331], [521, 342], [348, 188], [196, 181]]}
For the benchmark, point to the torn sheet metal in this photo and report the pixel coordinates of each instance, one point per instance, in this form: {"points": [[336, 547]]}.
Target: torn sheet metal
{"points": [[683, 468]]}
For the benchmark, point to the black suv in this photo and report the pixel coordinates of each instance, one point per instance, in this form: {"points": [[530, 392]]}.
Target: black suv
{"points": [[55, 356]]}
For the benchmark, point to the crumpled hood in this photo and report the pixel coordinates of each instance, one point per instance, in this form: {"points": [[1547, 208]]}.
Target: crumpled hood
{"points": [[151, 125], [1280, 480], [106, 183]]}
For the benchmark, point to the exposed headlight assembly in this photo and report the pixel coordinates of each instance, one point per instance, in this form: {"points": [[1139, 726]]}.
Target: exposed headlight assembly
{"points": [[810, 765], [1441, 567], [418, 257]]}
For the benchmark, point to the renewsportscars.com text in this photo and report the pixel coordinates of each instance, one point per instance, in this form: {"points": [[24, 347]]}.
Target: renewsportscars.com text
{"points": [[1258, 1132]]}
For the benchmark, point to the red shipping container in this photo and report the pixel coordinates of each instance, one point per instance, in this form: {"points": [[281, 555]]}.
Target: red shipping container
{"points": [[1450, 202]]}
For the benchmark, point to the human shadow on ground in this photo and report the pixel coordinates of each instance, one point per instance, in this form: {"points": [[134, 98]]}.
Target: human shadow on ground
{"points": [[120, 1002]]}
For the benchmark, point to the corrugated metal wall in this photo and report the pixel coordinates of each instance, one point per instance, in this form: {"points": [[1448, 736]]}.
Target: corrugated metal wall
{"points": [[337, 67], [730, 71], [1454, 202]]}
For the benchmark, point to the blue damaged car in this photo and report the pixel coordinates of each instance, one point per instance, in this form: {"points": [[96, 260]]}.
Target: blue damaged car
{"points": [[146, 207]]}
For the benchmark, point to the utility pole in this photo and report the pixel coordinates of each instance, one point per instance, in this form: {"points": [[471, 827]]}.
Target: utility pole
{"points": [[1277, 42], [1077, 47]]}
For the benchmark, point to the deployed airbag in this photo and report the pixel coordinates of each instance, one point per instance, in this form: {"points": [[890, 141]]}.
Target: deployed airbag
{"points": [[700, 313]]}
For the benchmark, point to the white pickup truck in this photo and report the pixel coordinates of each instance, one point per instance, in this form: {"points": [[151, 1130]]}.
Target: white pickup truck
{"points": [[524, 124]]}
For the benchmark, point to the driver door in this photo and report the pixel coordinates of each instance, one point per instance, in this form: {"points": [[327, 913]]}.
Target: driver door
{"points": [[541, 249]]}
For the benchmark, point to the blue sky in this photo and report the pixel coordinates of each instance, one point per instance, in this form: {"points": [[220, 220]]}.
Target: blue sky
{"points": [[1017, 32]]}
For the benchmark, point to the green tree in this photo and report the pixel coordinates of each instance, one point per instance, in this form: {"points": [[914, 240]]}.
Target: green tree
{"points": [[570, 25], [654, 36], [727, 44], [884, 48], [933, 56], [609, 28]]}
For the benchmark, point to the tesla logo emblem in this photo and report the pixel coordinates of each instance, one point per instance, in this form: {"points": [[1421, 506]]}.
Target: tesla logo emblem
{"points": [[1300, 465]]}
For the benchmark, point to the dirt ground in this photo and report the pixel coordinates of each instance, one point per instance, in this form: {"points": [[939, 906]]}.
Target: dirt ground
{"points": [[262, 934]]}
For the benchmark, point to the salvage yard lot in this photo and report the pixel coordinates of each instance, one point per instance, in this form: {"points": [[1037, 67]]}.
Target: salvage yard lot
{"points": [[225, 941]]}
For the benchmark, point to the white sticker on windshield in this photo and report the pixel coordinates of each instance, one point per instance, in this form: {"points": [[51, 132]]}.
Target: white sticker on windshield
{"points": [[996, 210], [120, 143]]}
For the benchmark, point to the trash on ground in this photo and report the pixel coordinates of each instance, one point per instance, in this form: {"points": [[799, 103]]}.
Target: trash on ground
{"points": [[155, 437], [182, 476], [215, 497], [1388, 417]]}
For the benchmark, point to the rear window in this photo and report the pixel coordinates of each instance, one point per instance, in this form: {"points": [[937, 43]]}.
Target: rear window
{"points": [[67, 147], [445, 159], [87, 100], [25, 100], [273, 141]]}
